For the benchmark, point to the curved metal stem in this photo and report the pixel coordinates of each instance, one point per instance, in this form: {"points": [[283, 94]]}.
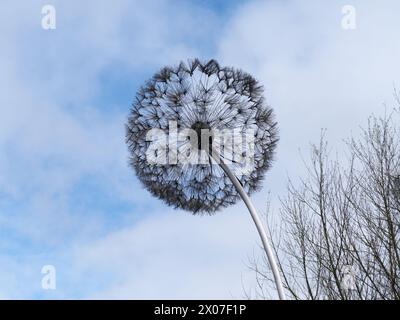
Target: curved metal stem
{"points": [[260, 228]]}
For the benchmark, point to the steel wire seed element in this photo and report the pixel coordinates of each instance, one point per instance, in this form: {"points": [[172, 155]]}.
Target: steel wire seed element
{"points": [[201, 97]]}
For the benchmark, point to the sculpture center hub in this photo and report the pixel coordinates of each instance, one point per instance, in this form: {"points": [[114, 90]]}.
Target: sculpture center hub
{"points": [[203, 134]]}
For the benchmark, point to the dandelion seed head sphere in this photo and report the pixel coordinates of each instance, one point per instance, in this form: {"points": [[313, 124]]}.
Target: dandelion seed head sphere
{"points": [[201, 96]]}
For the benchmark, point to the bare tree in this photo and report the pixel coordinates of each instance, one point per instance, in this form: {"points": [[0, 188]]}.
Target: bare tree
{"points": [[338, 236]]}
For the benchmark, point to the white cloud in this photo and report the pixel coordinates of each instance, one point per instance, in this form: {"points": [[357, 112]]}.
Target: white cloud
{"points": [[172, 255], [316, 74]]}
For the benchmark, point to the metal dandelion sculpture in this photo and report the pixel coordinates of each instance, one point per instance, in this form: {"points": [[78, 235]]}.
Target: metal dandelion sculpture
{"points": [[200, 137]]}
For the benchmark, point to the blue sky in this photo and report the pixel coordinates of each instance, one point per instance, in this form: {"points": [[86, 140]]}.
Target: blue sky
{"points": [[67, 196]]}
